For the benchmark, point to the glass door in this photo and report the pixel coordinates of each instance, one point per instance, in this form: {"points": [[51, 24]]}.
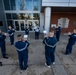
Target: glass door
{"points": [[35, 24], [19, 25], [30, 25], [22, 25], [16, 25]]}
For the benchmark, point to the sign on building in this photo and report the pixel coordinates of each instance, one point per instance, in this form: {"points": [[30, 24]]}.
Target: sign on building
{"points": [[64, 22]]}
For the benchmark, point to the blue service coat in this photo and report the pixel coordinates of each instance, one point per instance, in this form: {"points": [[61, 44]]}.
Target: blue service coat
{"points": [[71, 42], [2, 44], [27, 31], [11, 35], [2, 38], [72, 39], [50, 43], [11, 32], [58, 31], [22, 49]]}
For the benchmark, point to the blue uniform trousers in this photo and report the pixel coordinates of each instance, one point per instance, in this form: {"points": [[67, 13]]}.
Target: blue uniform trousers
{"points": [[69, 48], [23, 60], [3, 49], [12, 40], [50, 57], [58, 36]]}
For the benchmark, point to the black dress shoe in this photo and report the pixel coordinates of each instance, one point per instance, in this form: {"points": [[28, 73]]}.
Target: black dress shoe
{"points": [[0, 63]]}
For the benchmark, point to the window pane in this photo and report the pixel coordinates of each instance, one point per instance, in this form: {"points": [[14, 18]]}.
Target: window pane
{"points": [[29, 5], [21, 16], [9, 22], [17, 28], [6, 5], [35, 4], [13, 5], [35, 16], [20, 4], [8, 16], [30, 25], [29, 16], [24, 16], [17, 4], [15, 16]]}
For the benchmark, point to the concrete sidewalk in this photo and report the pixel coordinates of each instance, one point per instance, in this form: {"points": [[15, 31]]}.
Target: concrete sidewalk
{"points": [[65, 64]]}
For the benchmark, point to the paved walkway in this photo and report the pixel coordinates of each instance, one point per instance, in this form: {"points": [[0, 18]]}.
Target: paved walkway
{"points": [[65, 64]]}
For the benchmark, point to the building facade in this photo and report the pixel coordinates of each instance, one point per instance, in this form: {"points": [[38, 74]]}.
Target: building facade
{"points": [[20, 14], [59, 12], [45, 13]]}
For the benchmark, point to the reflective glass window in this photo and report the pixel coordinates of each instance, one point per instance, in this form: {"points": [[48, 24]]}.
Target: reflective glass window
{"points": [[35, 16], [6, 4], [14, 15], [20, 4], [8, 16], [10, 22], [13, 5], [21, 16], [26, 16], [35, 4], [29, 16], [28, 5]]}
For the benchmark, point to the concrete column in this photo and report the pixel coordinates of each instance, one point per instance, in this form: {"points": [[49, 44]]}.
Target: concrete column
{"points": [[2, 16], [41, 22], [47, 18]]}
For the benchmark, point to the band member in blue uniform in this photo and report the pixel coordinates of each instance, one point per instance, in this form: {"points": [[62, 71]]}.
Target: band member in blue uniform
{"points": [[2, 44], [58, 31], [37, 33], [26, 31], [50, 45], [11, 34], [71, 42], [22, 49]]}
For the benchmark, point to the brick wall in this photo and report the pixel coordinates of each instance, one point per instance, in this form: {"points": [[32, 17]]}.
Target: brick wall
{"points": [[70, 15]]}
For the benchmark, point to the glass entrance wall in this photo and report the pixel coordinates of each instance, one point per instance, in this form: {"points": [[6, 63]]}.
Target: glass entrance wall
{"points": [[30, 20], [19, 25], [22, 5], [31, 24], [28, 5], [27, 10]]}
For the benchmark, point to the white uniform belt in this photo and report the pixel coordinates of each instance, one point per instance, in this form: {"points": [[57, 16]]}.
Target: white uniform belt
{"points": [[50, 45], [11, 34], [22, 48]]}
